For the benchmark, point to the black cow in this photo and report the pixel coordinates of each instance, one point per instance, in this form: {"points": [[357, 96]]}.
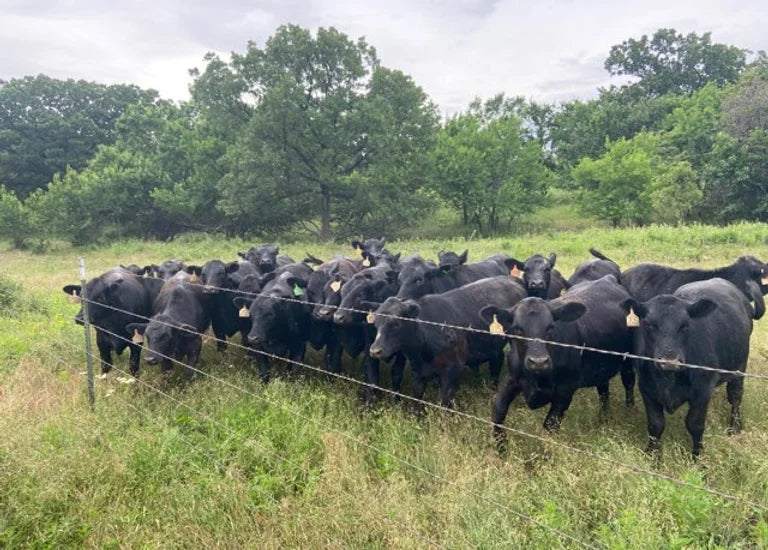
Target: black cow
{"points": [[594, 269], [373, 253], [372, 285], [646, 280], [426, 278], [323, 294], [165, 270], [703, 323], [539, 275], [441, 351], [266, 257], [280, 320], [591, 314], [131, 299], [220, 280], [181, 314]]}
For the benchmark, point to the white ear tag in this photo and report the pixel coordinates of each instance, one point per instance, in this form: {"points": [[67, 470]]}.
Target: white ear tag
{"points": [[633, 320]]}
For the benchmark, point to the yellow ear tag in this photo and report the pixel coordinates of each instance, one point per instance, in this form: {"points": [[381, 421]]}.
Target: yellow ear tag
{"points": [[359, 250], [370, 318], [764, 280], [562, 291], [336, 286], [496, 327], [194, 278], [243, 313], [75, 299], [632, 319], [514, 272], [137, 338], [367, 263], [154, 274]]}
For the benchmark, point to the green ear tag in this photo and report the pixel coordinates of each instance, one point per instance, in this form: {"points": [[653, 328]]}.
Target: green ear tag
{"points": [[298, 291]]}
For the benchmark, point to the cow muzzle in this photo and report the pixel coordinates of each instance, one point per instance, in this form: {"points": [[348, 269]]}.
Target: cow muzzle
{"points": [[324, 314], [150, 359], [376, 351], [669, 364], [538, 364], [340, 317]]}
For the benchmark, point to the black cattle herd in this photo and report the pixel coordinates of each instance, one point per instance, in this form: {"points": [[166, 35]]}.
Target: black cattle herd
{"points": [[441, 317]]}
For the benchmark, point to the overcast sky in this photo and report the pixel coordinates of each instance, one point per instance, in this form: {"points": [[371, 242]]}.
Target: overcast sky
{"points": [[456, 50]]}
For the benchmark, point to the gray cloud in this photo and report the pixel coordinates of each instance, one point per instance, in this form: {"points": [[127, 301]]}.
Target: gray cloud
{"points": [[456, 50]]}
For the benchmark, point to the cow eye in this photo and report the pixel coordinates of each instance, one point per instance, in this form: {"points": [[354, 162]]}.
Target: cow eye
{"points": [[684, 327]]}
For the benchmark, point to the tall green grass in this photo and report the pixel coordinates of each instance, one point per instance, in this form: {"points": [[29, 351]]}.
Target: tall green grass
{"points": [[299, 463]]}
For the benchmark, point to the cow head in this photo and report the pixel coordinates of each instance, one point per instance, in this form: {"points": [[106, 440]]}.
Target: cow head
{"points": [[163, 337], [264, 257], [534, 318], [165, 270], [359, 290], [665, 326], [451, 258], [394, 329], [215, 275], [537, 273], [275, 309]]}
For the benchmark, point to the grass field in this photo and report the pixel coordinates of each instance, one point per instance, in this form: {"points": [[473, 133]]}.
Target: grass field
{"points": [[299, 464]]}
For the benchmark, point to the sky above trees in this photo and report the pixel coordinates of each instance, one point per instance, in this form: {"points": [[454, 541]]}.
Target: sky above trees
{"points": [[455, 50]]}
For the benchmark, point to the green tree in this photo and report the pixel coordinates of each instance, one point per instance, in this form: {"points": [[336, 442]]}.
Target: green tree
{"points": [[315, 135], [616, 187], [15, 219], [48, 124], [672, 63], [488, 170]]}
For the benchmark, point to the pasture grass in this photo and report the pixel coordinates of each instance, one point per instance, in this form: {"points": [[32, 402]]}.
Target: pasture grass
{"points": [[299, 464]]}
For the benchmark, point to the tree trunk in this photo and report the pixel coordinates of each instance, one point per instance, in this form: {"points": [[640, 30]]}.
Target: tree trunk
{"points": [[464, 213], [325, 213]]}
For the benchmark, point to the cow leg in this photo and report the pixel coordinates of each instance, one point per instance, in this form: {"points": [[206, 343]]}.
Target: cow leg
{"points": [[560, 404], [506, 393], [334, 351], [296, 355], [194, 357], [694, 421], [371, 378], [166, 364], [105, 355], [221, 338], [628, 380], [135, 358], [449, 382], [262, 361], [398, 368], [603, 395], [654, 415], [735, 390], [494, 367]]}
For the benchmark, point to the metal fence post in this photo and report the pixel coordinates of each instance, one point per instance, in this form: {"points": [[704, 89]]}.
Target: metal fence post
{"points": [[87, 325]]}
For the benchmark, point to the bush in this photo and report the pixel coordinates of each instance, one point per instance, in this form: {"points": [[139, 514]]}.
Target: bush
{"points": [[15, 219]]}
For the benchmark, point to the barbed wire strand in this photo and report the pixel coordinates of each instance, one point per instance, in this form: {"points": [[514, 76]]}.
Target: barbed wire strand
{"points": [[515, 431], [236, 435], [487, 332], [521, 515]]}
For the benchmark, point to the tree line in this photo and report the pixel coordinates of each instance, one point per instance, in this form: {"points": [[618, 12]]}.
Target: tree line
{"points": [[310, 132]]}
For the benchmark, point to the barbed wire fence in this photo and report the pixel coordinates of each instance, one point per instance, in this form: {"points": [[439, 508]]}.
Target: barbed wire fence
{"points": [[631, 468]]}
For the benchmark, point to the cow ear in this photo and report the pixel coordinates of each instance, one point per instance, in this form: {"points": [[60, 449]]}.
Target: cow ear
{"points": [[396, 258], [383, 242], [504, 316], [463, 257], [241, 254], [639, 308], [231, 267], [151, 268], [357, 245], [443, 269], [70, 289], [194, 270], [567, 312], [310, 259], [552, 259], [412, 309], [242, 301], [512, 262], [296, 281], [370, 306], [701, 308], [141, 328], [277, 249]]}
